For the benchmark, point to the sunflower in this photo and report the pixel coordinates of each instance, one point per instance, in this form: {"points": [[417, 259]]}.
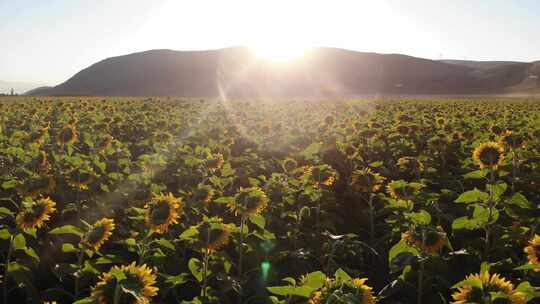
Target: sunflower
{"points": [[467, 293], [401, 190], [289, 165], [80, 179], [99, 233], [215, 162], [489, 155], [433, 242], [104, 144], [512, 140], [410, 165], [322, 175], [249, 201], [137, 286], [44, 166], [496, 130], [37, 185], [163, 211], [203, 193], [213, 234], [533, 251], [338, 291], [68, 134], [402, 129], [366, 180], [35, 213]]}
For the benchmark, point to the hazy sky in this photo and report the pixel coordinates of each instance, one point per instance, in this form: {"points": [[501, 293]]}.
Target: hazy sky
{"points": [[47, 41]]}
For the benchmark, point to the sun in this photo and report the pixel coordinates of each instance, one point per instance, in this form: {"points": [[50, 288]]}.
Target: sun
{"points": [[276, 53]]}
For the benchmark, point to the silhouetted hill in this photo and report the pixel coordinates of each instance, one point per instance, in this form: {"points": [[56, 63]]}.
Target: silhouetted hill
{"points": [[237, 72], [479, 64]]}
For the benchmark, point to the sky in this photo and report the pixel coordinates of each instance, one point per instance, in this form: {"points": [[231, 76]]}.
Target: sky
{"points": [[48, 41]]}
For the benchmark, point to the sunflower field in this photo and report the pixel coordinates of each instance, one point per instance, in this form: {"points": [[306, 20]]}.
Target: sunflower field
{"points": [[178, 200]]}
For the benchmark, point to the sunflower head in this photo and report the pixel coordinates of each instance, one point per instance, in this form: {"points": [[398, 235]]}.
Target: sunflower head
{"points": [[365, 180], [533, 251], [213, 234], [214, 162], [402, 129], [80, 179], [249, 201], [137, 285], [104, 144], [512, 140], [289, 165], [402, 190], [338, 291], [163, 211], [496, 130], [34, 213], [203, 193], [68, 134], [322, 175], [37, 185], [99, 233], [410, 165], [428, 240], [480, 288], [489, 155]]}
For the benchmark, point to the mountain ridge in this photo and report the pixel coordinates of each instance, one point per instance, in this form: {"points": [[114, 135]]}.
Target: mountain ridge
{"points": [[322, 72]]}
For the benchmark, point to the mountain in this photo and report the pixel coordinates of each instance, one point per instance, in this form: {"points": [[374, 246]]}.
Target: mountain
{"points": [[18, 87], [320, 72], [479, 64]]}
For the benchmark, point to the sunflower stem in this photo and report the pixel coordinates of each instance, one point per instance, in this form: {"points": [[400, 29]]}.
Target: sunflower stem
{"points": [[241, 255], [117, 293], [77, 274], [421, 273], [490, 214], [371, 218], [6, 267], [205, 266]]}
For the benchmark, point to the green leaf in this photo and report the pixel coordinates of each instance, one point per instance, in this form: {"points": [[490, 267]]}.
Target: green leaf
{"points": [[342, 275], [68, 247], [528, 267], [4, 234], [497, 190], [421, 218], [10, 184], [484, 267], [195, 266], [227, 170], [166, 244], [258, 220], [19, 242], [315, 280], [32, 253], [481, 214], [474, 282], [189, 234], [519, 200], [177, 279], [476, 174], [311, 150], [281, 290], [85, 301], [472, 196], [5, 211], [67, 229], [401, 247]]}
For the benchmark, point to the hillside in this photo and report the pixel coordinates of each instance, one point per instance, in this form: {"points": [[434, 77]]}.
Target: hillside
{"points": [[237, 72], [479, 64]]}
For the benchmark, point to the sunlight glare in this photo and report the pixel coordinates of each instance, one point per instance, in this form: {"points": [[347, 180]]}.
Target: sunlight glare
{"points": [[278, 53]]}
